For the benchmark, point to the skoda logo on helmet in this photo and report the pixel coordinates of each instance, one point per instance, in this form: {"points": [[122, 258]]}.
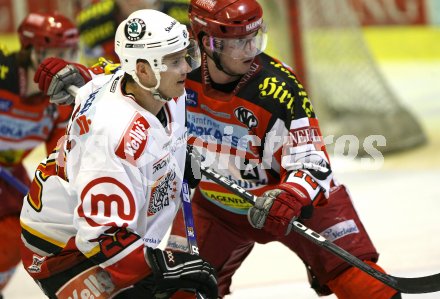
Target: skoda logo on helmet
{"points": [[135, 29]]}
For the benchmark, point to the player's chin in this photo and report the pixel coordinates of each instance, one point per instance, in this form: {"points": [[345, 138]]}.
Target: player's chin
{"points": [[241, 68], [179, 89]]}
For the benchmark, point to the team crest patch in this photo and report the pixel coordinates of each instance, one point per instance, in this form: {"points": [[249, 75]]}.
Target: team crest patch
{"points": [[135, 29]]}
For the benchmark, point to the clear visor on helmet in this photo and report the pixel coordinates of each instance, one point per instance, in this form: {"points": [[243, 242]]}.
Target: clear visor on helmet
{"points": [[68, 54], [189, 57], [244, 47]]}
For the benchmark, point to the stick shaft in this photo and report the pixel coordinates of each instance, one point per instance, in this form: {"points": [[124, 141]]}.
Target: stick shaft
{"points": [[189, 224], [13, 181], [416, 285]]}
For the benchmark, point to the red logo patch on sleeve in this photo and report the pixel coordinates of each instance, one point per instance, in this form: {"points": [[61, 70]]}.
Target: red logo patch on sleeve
{"points": [[134, 139]]}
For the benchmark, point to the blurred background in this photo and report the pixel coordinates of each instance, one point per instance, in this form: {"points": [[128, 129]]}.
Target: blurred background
{"points": [[372, 68]]}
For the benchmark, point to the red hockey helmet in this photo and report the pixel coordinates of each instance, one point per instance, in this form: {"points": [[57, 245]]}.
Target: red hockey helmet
{"points": [[225, 18], [47, 31]]}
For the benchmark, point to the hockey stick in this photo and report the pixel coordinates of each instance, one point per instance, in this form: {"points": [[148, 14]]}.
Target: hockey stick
{"points": [[416, 285], [188, 218], [189, 224], [12, 180]]}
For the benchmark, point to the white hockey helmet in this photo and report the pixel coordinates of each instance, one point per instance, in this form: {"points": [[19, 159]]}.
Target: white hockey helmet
{"points": [[150, 35]]}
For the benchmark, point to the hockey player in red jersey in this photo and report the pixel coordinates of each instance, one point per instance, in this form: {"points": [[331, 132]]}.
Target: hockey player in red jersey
{"points": [[253, 122], [27, 119], [100, 205]]}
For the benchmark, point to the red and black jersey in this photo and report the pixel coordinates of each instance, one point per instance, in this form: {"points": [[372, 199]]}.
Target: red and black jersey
{"points": [[262, 133], [25, 122]]}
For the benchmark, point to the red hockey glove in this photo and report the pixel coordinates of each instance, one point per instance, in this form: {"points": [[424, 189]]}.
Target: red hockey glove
{"points": [[277, 208], [55, 75]]}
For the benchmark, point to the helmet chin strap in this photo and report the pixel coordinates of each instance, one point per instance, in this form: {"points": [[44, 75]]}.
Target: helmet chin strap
{"points": [[216, 58], [36, 59], [156, 94]]}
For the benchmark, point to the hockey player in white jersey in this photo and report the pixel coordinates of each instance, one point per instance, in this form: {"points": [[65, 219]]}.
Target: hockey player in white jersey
{"points": [[101, 203]]}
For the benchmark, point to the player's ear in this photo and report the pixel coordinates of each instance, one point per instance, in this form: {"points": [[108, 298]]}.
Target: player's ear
{"points": [[206, 42], [143, 69]]}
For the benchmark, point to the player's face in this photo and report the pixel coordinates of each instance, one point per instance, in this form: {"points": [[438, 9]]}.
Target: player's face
{"points": [[236, 54], [236, 66], [68, 54], [172, 81]]}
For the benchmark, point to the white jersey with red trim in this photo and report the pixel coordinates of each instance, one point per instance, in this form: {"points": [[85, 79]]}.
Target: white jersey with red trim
{"points": [[121, 174]]}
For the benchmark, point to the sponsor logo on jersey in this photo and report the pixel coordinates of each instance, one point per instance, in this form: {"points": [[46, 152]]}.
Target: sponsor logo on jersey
{"points": [[250, 172], [305, 131], [149, 240], [307, 105], [135, 29], [5, 105], [212, 131], [107, 198], [340, 230], [178, 243], [287, 70], [84, 124], [164, 190], [305, 102], [88, 103], [307, 135], [93, 283], [161, 163], [25, 113], [246, 117], [37, 261], [17, 129], [133, 140], [216, 113], [191, 98], [246, 77], [227, 199], [278, 90]]}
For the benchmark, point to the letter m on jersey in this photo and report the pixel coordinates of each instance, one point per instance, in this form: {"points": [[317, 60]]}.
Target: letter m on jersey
{"points": [[133, 140]]}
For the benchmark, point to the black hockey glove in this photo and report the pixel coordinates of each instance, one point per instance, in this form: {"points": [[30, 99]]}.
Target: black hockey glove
{"points": [[175, 271], [192, 166]]}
